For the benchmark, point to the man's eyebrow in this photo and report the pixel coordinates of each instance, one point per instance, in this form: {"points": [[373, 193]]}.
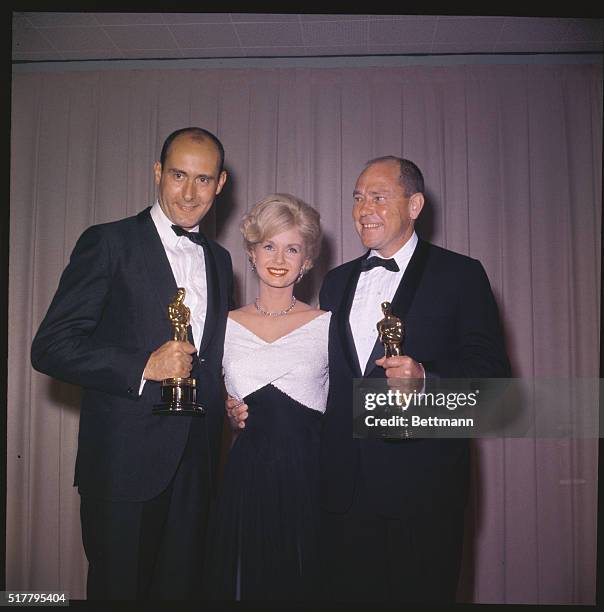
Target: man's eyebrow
{"points": [[179, 171], [372, 192]]}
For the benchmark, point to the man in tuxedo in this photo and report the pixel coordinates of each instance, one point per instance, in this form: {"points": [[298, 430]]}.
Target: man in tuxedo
{"points": [[393, 510], [145, 479]]}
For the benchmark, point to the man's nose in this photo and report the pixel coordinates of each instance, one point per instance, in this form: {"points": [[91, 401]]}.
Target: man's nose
{"points": [[188, 191]]}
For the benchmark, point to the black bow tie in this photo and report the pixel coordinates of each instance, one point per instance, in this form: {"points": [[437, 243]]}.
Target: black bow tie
{"points": [[196, 237], [374, 262]]}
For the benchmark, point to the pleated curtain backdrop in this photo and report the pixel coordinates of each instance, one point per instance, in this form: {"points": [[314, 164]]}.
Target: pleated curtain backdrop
{"points": [[512, 160]]}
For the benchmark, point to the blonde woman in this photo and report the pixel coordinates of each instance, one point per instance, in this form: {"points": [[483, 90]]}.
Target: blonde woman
{"points": [[264, 528]]}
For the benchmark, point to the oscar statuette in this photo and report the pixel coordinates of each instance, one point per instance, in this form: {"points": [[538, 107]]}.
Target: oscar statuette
{"points": [[391, 331], [179, 395]]}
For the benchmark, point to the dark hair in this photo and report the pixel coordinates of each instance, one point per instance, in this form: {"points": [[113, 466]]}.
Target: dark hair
{"points": [[411, 177], [196, 133]]}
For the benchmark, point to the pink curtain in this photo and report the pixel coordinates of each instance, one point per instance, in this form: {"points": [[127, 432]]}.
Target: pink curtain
{"points": [[512, 156]]}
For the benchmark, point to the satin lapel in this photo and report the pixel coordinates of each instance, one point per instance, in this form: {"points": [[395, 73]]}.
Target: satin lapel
{"points": [[159, 272], [403, 298], [213, 290], [344, 330]]}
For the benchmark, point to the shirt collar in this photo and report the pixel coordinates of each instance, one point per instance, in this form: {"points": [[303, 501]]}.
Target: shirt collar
{"points": [[403, 255], [164, 226]]}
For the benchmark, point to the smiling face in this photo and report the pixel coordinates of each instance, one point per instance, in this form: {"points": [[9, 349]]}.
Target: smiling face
{"points": [[189, 180], [280, 258], [383, 216]]}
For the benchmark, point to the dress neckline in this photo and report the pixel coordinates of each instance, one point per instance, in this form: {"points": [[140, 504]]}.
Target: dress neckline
{"points": [[289, 333]]}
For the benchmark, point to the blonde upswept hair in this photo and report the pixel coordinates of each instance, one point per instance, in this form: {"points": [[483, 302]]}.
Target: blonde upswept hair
{"points": [[279, 212]]}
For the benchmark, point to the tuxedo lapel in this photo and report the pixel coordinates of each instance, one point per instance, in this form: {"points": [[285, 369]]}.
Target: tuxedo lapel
{"points": [[403, 298], [214, 297], [343, 319], [158, 270]]}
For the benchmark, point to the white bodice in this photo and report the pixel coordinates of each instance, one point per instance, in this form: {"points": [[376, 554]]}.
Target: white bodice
{"points": [[296, 363]]}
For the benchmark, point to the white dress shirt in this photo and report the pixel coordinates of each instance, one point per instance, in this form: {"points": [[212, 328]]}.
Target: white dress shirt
{"points": [[374, 287], [188, 265]]}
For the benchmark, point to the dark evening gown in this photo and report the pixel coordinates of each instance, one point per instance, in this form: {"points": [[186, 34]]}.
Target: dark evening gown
{"points": [[263, 534]]}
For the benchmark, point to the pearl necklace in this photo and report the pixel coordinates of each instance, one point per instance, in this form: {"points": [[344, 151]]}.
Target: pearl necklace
{"points": [[279, 313]]}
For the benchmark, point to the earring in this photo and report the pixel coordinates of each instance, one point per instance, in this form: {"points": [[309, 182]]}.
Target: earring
{"points": [[252, 264], [302, 272]]}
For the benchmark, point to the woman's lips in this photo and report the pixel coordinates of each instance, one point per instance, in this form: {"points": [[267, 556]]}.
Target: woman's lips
{"points": [[277, 271]]}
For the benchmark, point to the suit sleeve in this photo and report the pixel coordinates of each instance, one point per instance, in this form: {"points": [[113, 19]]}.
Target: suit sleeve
{"points": [[325, 297], [66, 345], [230, 285], [481, 349]]}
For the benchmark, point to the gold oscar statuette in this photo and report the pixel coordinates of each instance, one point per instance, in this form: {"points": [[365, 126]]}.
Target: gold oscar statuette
{"points": [[391, 332], [179, 395]]}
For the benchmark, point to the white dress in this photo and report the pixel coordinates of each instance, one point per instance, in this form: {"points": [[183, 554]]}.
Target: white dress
{"points": [[264, 530]]}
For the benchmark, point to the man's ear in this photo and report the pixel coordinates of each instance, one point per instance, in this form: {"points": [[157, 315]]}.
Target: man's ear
{"points": [[221, 181], [157, 172], [416, 203]]}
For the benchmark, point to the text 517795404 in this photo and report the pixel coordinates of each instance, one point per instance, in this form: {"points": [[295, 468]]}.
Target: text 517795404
{"points": [[34, 598]]}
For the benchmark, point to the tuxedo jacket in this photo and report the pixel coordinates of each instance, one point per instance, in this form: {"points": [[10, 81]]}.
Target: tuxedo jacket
{"points": [[451, 327], [110, 312]]}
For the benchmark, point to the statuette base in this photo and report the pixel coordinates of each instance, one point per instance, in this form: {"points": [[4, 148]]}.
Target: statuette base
{"points": [[179, 397]]}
